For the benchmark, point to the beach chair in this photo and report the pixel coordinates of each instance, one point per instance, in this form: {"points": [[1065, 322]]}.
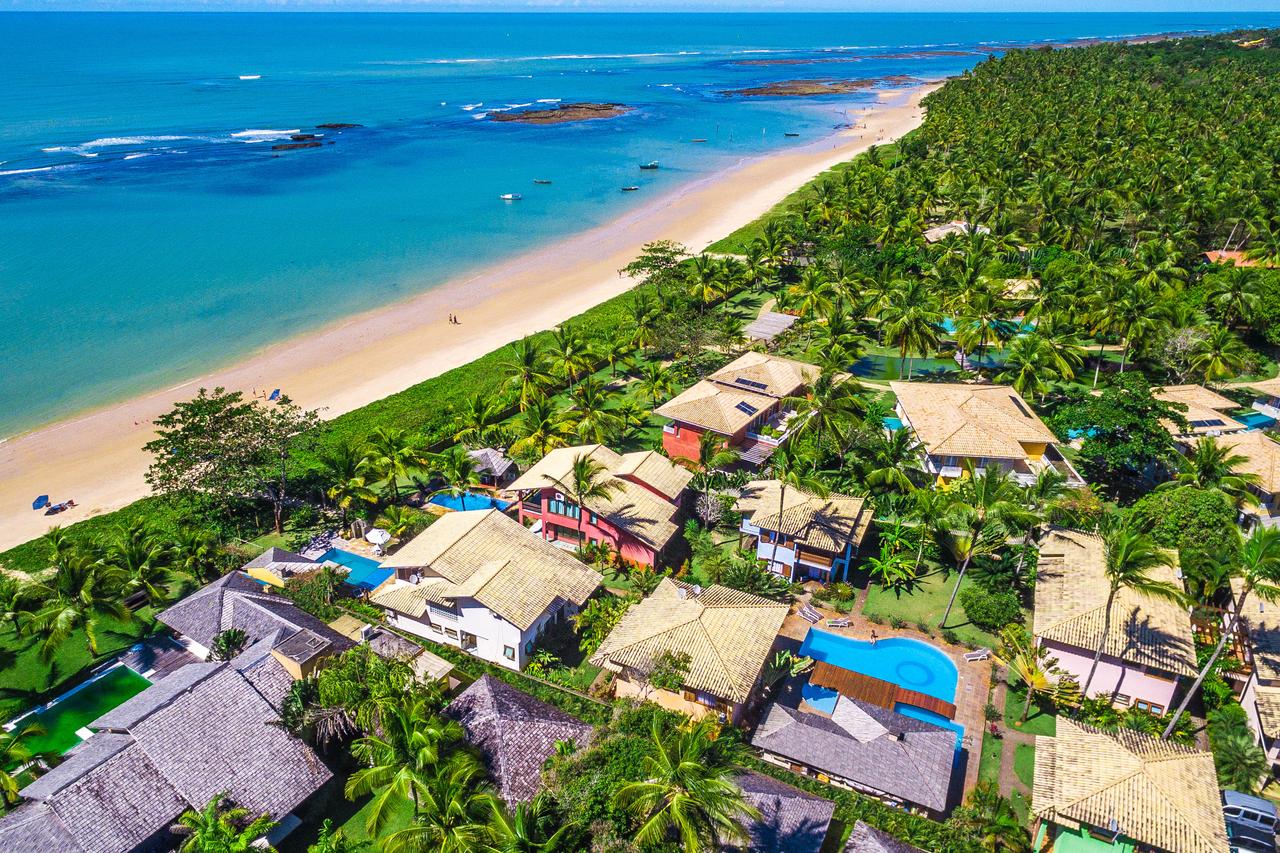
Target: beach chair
{"points": [[977, 655], [809, 614], [837, 623]]}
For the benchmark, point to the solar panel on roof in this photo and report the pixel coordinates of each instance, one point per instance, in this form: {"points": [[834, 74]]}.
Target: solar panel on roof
{"points": [[746, 408], [750, 383], [1210, 423]]}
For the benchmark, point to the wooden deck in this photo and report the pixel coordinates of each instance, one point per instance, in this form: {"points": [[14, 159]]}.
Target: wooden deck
{"points": [[855, 685]]}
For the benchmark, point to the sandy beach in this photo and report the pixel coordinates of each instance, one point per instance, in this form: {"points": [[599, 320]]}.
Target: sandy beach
{"points": [[97, 458]]}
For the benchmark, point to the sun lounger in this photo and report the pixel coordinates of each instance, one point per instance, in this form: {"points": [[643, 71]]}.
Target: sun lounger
{"points": [[809, 614], [837, 623], [980, 654]]}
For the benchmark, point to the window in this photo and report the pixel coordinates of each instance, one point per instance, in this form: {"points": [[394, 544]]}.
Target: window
{"points": [[563, 507], [1121, 699], [528, 647], [509, 652], [451, 633], [437, 629]]}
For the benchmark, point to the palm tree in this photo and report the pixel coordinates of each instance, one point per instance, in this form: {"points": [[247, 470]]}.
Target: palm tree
{"points": [[891, 463], [399, 760], [911, 321], [977, 519], [220, 827], [530, 828], [397, 520], [594, 421], [689, 790], [588, 480], [80, 594], [526, 371], [714, 454], [540, 427], [1234, 293], [15, 752], [391, 454], [1033, 363], [656, 380], [143, 558], [792, 469], [1036, 669], [1131, 557], [458, 470], [1259, 571], [194, 552], [706, 280], [476, 420], [992, 819], [618, 347], [831, 404], [452, 812], [1213, 466], [1219, 355], [347, 468], [1240, 761], [571, 352], [227, 644]]}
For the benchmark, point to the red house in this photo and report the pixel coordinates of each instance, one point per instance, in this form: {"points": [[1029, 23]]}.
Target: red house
{"points": [[639, 519], [742, 402]]}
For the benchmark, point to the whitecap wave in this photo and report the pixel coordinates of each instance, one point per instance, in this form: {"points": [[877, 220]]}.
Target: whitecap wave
{"points": [[548, 100], [25, 171], [139, 154], [519, 106], [479, 115], [470, 107], [89, 149], [264, 135]]}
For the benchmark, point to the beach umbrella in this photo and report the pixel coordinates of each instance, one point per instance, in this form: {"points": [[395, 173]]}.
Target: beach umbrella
{"points": [[40, 502], [378, 536], [275, 395]]}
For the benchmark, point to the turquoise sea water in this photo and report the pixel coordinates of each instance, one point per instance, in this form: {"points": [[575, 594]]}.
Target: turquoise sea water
{"points": [[148, 231]]}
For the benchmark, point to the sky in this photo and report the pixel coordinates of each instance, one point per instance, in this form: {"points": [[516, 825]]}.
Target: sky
{"points": [[660, 5]]}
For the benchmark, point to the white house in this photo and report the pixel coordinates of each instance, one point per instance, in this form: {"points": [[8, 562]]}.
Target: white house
{"points": [[479, 581]]}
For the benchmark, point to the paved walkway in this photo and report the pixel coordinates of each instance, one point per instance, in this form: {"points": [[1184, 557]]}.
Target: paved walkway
{"points": [[971, 689]]}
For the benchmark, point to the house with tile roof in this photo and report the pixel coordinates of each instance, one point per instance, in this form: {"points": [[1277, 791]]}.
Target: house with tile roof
{"points": [[495, 468], [1121, 790], [799, 535], [1206, 411], [742, 402], [1149, 649], [728, 636], [1261, 457], [862, 747], [477, 580], [300, 641], [640, 519], [1258, 650], [204, 729], [1267, 400], [515, 734], [791, 820], [960, 426]]}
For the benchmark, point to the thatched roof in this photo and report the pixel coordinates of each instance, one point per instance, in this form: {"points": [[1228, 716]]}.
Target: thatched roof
{"points": [[1155, 792]]}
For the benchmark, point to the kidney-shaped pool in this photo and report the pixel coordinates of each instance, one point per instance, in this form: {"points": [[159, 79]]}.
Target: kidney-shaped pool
{"points": [[908, 663]]}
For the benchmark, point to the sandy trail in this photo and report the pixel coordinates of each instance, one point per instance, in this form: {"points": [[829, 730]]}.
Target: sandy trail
{"points": [[97, 458]]}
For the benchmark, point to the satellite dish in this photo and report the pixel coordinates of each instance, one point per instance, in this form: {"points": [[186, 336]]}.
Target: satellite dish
{"points": [[378, 536], [415, 578]]}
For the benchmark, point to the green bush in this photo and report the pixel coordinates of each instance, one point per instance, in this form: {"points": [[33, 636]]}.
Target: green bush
{"points": [[990, 611]]}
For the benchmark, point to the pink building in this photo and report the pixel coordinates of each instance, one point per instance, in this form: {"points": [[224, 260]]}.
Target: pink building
{"points": [[640, 519], [741, 402], [1149, 647]]}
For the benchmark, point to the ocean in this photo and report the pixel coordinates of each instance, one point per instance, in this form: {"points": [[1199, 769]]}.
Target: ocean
{"points": [[149, 230]]}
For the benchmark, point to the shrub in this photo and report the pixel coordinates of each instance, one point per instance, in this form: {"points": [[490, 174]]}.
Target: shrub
{"points": [[950, 636], [991, 712], [1199, 521], [924, 628], [897, 622], [875, 618], [990, 611]]}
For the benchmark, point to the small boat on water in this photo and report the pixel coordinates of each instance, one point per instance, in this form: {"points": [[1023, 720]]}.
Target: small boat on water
{"points": [[543, 181], [511, 196], [250, 76], [629, 189], [700, 139], [652, 164], [790, 134]]}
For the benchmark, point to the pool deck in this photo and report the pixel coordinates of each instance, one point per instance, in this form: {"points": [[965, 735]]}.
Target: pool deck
{"points": [[886, 694], [972, 686], [156, 657]]}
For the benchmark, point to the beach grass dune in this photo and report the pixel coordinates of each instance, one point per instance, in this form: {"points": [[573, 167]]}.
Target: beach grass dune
{"points": [[97, 458]]}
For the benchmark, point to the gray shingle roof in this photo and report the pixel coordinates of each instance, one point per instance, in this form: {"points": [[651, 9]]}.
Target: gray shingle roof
{"points": [[490, 461], [204, 729], [515, 732], [237, 601], [868, 839], [791, 820], [903, 757]]}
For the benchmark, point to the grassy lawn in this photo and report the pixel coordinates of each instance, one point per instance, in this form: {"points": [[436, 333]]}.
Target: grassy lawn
{"points": [[26, 680], [1021, 806], [1039, 721], [1024, 762], [926, 603], [989, 763]]}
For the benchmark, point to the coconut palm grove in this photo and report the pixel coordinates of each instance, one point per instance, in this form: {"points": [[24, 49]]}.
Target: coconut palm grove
{"points": [[1076, 255]]}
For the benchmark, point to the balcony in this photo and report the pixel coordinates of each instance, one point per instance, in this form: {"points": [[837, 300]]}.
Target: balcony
{"points": [[783, 423]]}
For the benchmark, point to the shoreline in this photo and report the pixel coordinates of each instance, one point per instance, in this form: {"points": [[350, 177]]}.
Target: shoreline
{"points": [[96, 458]]}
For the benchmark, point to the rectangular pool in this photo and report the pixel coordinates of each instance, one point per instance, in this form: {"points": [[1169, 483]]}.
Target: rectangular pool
{"points": [[80, 706], [364, 573], [1255, 420]]}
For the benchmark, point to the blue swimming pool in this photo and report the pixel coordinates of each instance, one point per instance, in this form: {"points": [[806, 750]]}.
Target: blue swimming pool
{"points": [[930, 717], [1255, 420], [908, 663], [469, 501], [364, 572], [893, 423]]}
